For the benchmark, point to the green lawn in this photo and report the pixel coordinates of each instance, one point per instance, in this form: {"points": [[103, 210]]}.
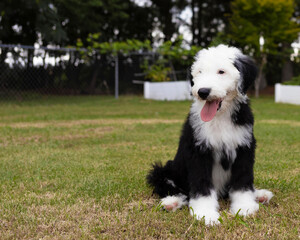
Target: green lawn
{"points": [[74, 168]]}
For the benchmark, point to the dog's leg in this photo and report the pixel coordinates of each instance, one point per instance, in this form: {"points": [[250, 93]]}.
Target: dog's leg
{"points": [[172, 203], [242, 193], [263, 196], [203, 201]]}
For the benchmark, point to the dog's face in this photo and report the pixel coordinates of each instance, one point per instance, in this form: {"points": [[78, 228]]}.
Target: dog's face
{"points": [[219, 75]]}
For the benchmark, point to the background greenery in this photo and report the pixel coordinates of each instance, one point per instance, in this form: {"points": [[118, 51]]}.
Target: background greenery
{"points": [[122, 25], [74, 168]]}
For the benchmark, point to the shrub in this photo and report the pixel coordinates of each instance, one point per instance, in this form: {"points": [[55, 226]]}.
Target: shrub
{"points": [[293, 81]]}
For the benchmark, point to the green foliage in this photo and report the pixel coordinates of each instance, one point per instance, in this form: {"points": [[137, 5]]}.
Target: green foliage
{"points": [[113, 48], [206, 20], [175, 52], [267, 18], [157, 72], [293, 81], [170, 53], [49, 24], [61, 22]]}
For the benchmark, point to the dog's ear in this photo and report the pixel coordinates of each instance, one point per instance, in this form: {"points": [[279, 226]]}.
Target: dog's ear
{"points": [[190, 77], [248, 71]]}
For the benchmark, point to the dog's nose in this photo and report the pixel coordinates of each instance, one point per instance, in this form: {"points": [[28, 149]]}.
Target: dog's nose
{"points": [[204, 92]]}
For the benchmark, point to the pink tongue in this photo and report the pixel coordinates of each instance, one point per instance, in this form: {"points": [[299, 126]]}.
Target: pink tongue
{"points": [[209, 110]]}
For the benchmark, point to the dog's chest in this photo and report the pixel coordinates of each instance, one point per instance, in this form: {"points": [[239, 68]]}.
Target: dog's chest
{"points": [[220, 175], [220, 134]]}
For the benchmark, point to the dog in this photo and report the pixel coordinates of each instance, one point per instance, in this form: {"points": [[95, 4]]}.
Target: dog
{"points": [[216, 151]]}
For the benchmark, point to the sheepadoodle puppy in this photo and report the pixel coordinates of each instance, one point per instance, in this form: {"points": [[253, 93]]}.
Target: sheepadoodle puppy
{"points": [[216, 150]]}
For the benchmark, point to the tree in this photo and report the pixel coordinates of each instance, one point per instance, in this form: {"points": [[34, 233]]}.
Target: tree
{"points": [[17, 22], [252, 20], [62, 22], [209, 17], [116, 20], [166, 13]]}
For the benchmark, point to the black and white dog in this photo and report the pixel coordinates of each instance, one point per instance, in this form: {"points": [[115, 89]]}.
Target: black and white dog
{"points": [[215, 156]]}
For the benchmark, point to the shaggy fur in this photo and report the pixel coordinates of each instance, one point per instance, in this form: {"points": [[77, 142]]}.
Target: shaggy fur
{"points": [[216, 150]]}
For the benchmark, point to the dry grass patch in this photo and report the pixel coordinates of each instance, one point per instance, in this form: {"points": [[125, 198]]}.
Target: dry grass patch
{"points": [[280, 122], [6, 141], [97, 132], [72, 123], [45, 220], [87, 133], [117, 145]]}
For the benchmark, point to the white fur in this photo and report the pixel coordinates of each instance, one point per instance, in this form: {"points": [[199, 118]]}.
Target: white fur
{"points": [[266, 194], [205, 71], [220, 133], [220, 177], [170, 182], [243, 202], [177, 201], [207, 207]]}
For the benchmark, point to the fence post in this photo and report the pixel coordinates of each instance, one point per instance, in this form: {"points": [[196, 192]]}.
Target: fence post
{"points": [[116, 77]]}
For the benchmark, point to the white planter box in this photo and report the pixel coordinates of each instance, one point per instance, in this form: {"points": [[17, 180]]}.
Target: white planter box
{"points": [[179, 90], [287, 94]]}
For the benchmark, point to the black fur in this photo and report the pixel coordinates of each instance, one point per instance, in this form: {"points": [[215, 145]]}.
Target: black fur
{"points": [[242, 169], [191, 169], [248, 70], [225, 162], [244, 115]]}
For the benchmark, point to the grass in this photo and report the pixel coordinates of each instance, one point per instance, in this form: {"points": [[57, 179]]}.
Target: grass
{"points": [[74, 168]]}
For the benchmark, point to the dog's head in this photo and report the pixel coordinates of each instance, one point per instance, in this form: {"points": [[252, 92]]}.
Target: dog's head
{"points": [[220, 74]]}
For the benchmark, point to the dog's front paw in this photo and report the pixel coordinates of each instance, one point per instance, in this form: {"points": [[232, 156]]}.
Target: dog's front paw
{"points": [[172, 203], [263, 196], [205, 207], [244, 209], [210, 217], [243, 203]]}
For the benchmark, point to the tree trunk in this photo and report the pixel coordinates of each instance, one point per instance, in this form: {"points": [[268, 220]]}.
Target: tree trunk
{"points": [[287, 71], [193, 27], [259, 80], [173, 71], [92, 85], [199, 23], [3, 56], [29, 58]]}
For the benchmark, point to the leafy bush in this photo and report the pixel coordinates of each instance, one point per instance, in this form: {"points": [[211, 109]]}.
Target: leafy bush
{"points": [[156, 72], [170, 53], [293, 81]]}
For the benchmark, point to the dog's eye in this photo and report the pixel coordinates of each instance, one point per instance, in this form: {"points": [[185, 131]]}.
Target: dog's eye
{"points": [[221, 72]]}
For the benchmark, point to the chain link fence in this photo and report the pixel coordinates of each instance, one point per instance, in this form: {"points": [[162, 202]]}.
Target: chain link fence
{"points": [[29, 72]]}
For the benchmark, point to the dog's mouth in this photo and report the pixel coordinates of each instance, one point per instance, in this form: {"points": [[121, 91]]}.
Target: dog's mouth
{"points": [[210, 109]]}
